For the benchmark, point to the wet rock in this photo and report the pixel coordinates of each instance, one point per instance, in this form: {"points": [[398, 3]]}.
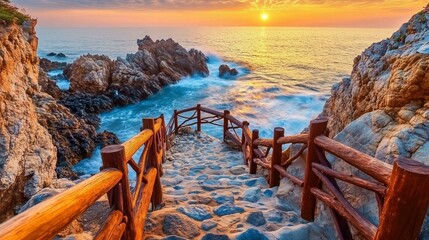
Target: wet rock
{"points": [[197, 212], [252, 234], [228, 209], [256, 219], [61, 55], [106, 138], [174, 224], [226, 72], [48, 65], [52, 54]]}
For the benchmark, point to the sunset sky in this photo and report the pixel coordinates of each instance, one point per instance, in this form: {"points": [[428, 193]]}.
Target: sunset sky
{"points": [[136, 13]]}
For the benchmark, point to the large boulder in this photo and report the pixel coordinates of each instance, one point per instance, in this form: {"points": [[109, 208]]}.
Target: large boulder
{"points": [[226, 72], [91, 74]]}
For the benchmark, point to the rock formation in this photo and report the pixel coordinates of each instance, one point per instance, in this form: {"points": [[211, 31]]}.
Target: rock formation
{"points": [[132, 79], [226, 72], [28, 156]]}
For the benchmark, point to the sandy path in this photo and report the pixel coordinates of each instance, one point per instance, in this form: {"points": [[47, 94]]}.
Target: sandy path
{"points": [[210, 195]]}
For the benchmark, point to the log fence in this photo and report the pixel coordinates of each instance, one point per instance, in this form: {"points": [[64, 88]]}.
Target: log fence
{"points": [[129, 203], [401, 191]]}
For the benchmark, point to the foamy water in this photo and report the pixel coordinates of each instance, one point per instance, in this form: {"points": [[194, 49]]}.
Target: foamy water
{"points": [[285, 73]]}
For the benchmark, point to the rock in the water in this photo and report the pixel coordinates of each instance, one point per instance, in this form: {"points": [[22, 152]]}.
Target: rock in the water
{"points": [[252, 234], [197, 212], [107, 138], [226, 72], [211, 236], [228, 209], [91, 74], [174, 224], [256, 219], [61, 55]]}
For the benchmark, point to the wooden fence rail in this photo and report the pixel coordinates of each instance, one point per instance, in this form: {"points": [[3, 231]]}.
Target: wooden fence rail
{"points": [[402, 190], [129, 204]]}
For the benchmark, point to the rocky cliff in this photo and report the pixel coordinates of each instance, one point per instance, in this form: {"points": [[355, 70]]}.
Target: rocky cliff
{"points": [[382, 109], [27, 154]]}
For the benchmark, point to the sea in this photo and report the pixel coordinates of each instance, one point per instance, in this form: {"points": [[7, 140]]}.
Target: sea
{"points": [[285, 74]]}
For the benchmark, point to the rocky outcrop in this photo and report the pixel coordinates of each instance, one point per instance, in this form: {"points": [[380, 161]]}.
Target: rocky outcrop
{"points": [[28, 156], [226, 72], [99, 80], [91, 74], [48, 65]]}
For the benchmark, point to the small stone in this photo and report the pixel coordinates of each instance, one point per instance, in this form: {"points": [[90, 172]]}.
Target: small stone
{"points": [[208, 225], [251, 182], [268, 193], [252, 195], [228, 209], [275, 216], [224, 199], [215, 167], [237, 170], [234, 183], [211, 236], [256, 219], [252, 234], [174, 224], [197, 212], [202, 177]]}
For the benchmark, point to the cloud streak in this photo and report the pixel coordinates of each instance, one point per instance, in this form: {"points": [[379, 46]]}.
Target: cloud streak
{"points": [[191, 4]]}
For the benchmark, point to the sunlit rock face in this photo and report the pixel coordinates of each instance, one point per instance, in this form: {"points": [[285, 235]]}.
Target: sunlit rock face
{"points": [[128, 80], [390, 85], [27, 154]]}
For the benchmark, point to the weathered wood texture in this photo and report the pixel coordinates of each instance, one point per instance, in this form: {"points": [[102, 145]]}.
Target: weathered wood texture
{"points": [[113, 221], [406, 202], [276, 157], [252, 165], [47, 218], [300, 138], [308, 204], [375, 168]]}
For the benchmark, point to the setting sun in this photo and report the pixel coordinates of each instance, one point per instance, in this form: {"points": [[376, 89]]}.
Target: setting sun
{"points": [[264, 16]]}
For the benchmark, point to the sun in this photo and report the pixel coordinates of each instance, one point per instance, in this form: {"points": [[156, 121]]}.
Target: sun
{"points": [[264, 16]]}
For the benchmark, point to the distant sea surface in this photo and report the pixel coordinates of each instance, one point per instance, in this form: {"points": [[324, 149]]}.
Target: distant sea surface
{"points": [[285, 73]]}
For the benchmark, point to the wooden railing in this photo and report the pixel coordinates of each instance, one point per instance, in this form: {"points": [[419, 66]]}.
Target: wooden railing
{"points": [[401, 190], [129, 204]]}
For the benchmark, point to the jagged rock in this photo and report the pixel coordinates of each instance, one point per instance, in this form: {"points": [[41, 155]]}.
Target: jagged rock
{"points": [[107, 138], [197, 212], [48, 85], [27, 154], [48, 65], [226, 72], [61, 55], [38, 198], [256, 219], [91, 74], [175, 224]]}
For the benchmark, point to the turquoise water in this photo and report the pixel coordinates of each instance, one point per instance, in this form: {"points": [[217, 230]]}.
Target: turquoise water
{"points": [[285, 73]]}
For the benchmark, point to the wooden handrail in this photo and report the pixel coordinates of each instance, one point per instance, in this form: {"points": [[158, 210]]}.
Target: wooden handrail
{"points": [[186, 110], [47, 218], [213, 112], [375, 168], [234, 120], [134, 144], [300, 138]]}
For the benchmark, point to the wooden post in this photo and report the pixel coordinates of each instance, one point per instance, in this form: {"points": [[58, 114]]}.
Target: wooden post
{"points": [[406, 202], [276, 157], [225, 123], [253, 165], [153, 157], [176, 122], [114, 157], [308, 203], [198, 118], [244, 142]]}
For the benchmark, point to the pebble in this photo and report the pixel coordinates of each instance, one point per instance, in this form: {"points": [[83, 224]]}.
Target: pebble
{"points": [[224, 199], [252, 195], [174, 224], [256, 219], [208, 225], [252, 234]]}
